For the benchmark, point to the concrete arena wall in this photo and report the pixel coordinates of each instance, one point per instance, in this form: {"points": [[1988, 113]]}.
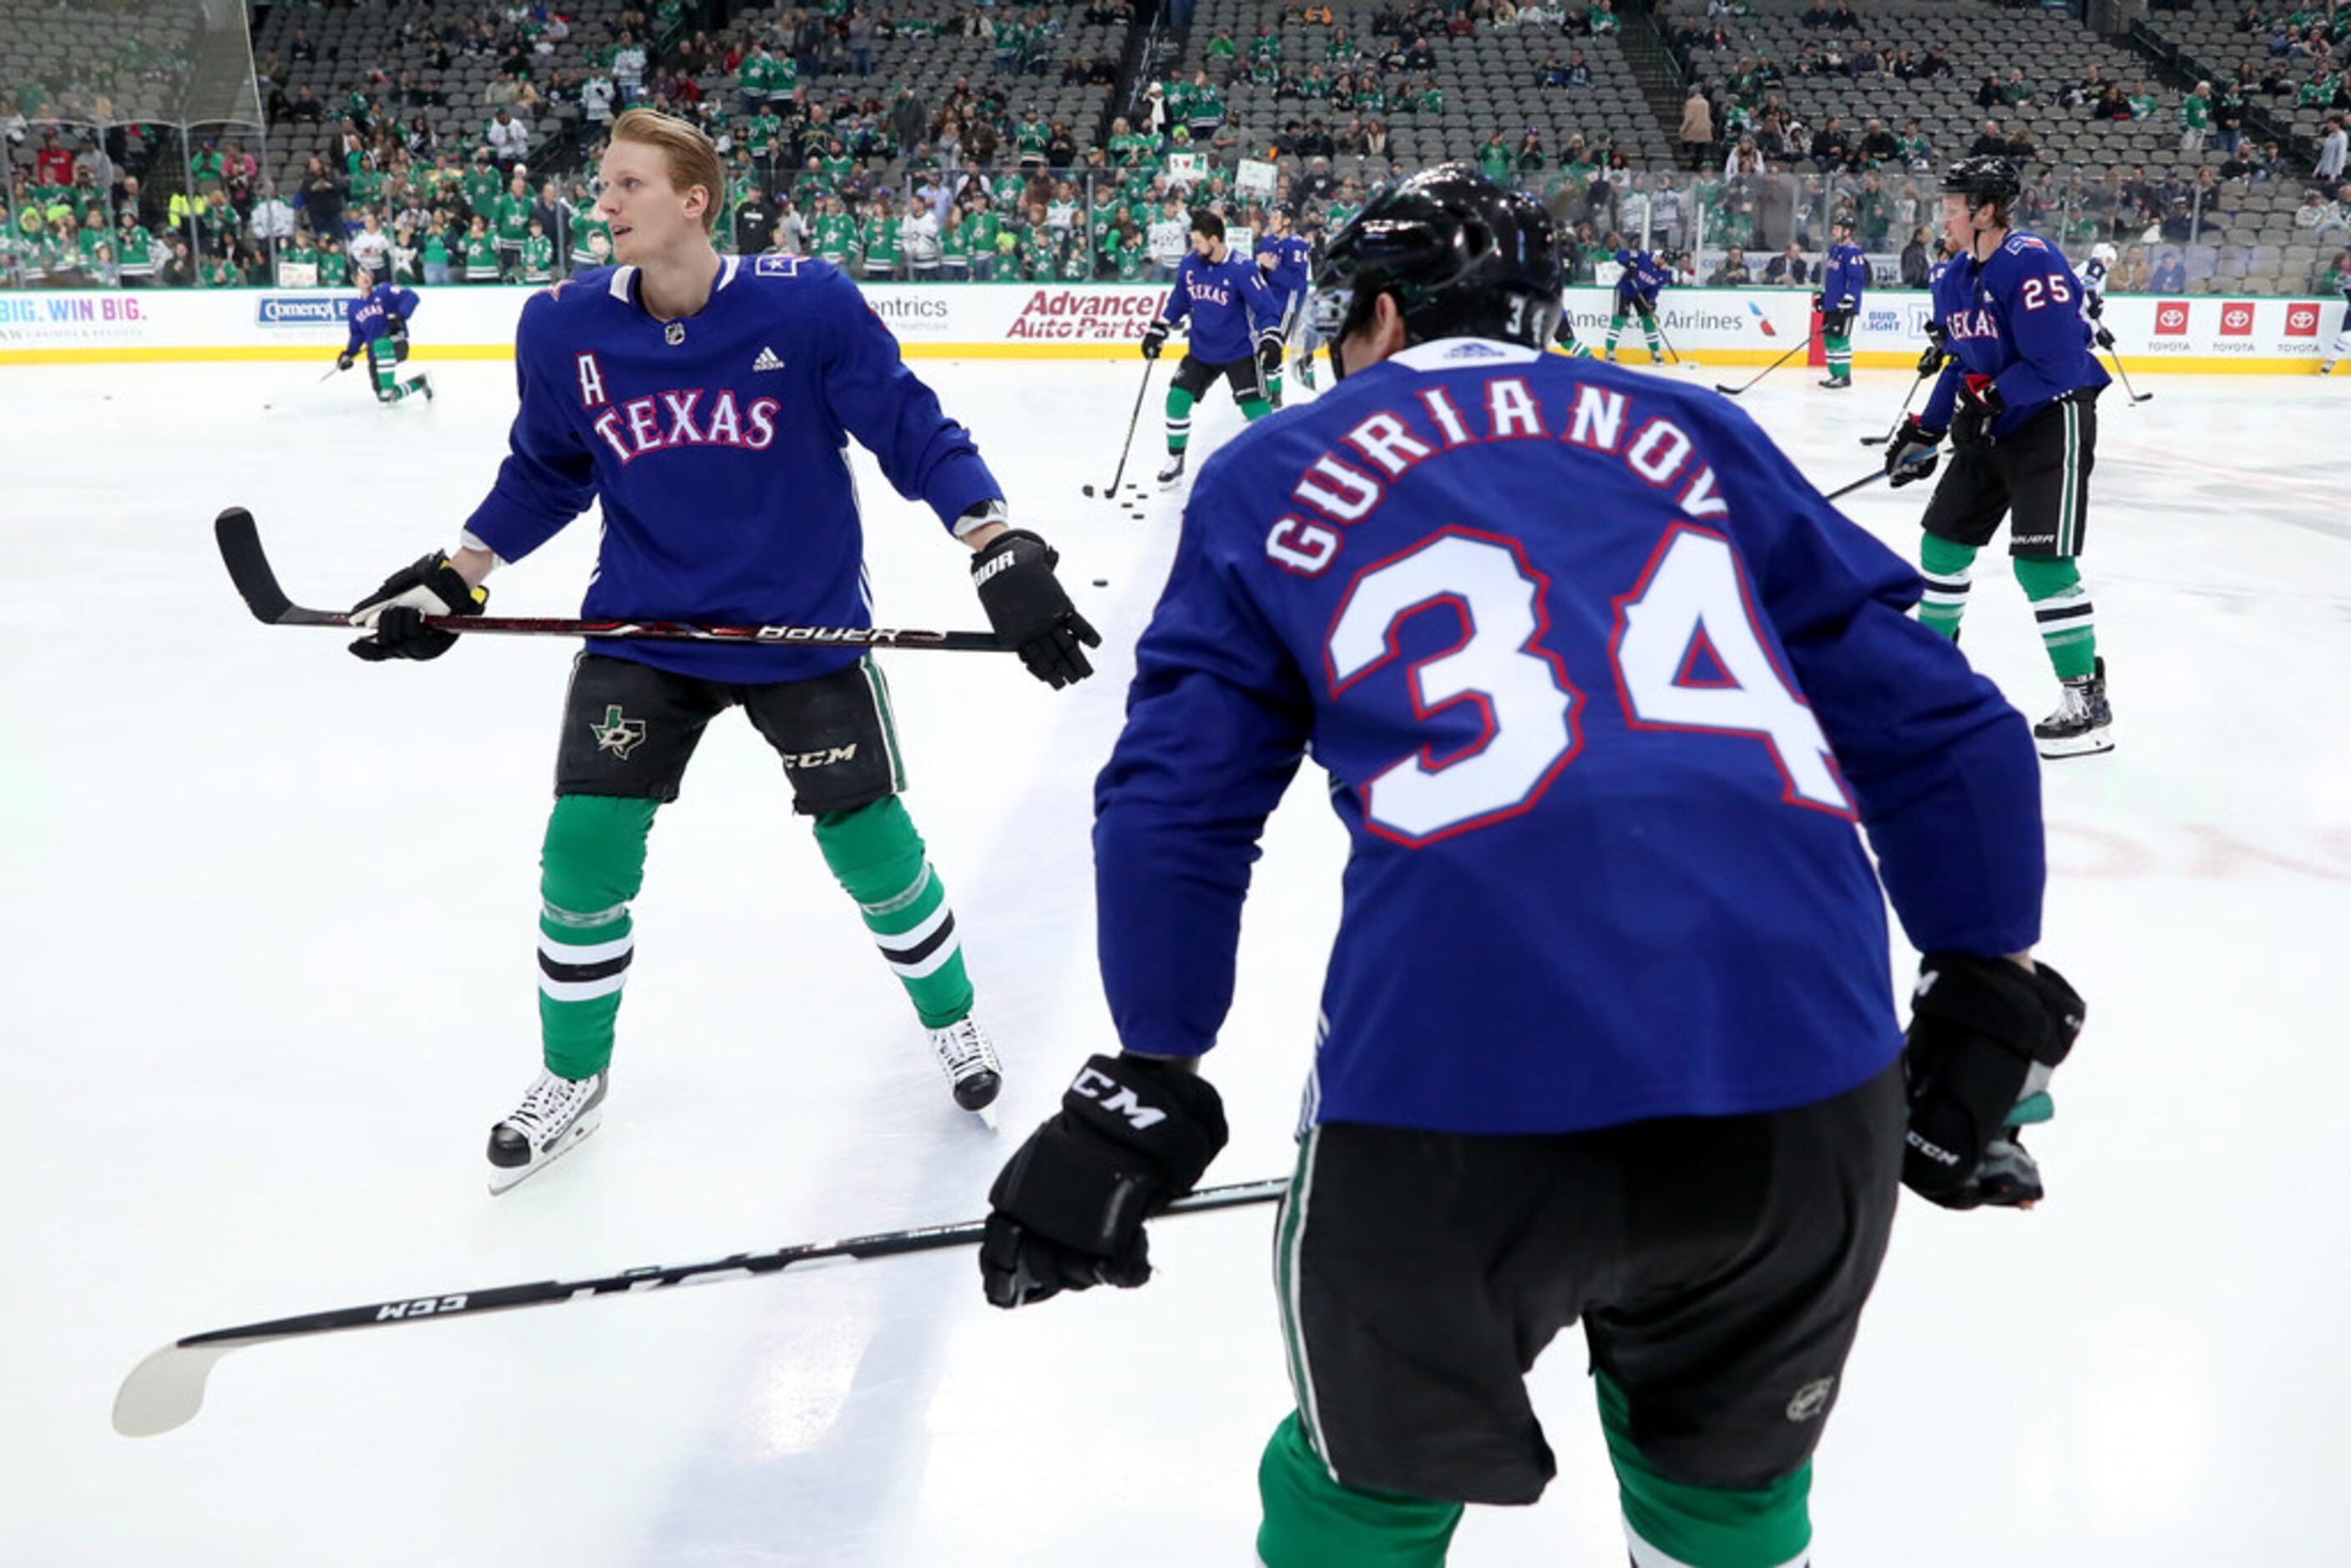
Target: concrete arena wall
{"points": [[1052, 320]]}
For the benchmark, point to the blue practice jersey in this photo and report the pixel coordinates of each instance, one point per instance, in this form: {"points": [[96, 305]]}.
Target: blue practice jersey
{"points": [[1844, 276], [1293, 261], [717, 446], [1601, 685], [2017, 318], [368, 316], [1641, 274], [1228, 303]]}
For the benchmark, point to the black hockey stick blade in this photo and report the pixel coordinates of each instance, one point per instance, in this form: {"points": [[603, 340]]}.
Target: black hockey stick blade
{"points": [[248, 567], [166, 1390]]}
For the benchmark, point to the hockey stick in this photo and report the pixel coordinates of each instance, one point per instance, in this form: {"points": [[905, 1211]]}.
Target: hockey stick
{"points": [[167, 1389], [1903, 413], [1734, 392], [1131, 421], [2117, 360], [248, 567], [1871, 478]]}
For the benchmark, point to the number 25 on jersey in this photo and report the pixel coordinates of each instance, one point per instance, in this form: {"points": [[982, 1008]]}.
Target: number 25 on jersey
{"points": [[1685, 653]]}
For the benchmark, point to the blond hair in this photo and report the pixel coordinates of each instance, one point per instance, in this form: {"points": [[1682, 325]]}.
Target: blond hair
{"points": [[691, 158]]}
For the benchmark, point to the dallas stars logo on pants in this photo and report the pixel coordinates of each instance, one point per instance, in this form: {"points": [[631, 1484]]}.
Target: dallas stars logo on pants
{"points": [[618, 733]]}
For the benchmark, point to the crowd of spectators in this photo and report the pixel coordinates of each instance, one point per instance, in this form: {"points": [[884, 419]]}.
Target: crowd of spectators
{"points": [[970, 180]]}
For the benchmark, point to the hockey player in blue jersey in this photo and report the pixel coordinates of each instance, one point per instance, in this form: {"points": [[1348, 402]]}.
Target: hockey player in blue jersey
{"points": [[1291, 257], [379, 329], [1844, 275], [1640, 278], [706, 402], [1603, 686], [2019, 399], [1233, 319]]}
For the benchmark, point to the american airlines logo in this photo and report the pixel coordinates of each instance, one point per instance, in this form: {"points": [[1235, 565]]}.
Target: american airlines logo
{"points": [[2302, 320], [2172, 318], [2237, 319]]}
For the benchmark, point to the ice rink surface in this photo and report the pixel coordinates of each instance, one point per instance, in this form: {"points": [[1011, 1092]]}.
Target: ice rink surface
{"points": [[268, 934]]}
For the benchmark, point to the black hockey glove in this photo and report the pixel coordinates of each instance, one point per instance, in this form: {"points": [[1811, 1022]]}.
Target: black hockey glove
{"points": [[1985, 1034], [343, 360], [394, 324], [1031, 610], [1912, 454], [1932, 361], [2094, 307], [2105, 338], [1155, 338], [395, 613], [1269, 354], [1132, 1137]]}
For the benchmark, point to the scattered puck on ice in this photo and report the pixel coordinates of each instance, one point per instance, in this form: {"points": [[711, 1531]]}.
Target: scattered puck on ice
{"points": [[1090, 490], [1101, 582]]}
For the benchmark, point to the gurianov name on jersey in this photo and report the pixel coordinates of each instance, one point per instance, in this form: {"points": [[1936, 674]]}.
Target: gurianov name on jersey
{"points": [[1348, 482]]}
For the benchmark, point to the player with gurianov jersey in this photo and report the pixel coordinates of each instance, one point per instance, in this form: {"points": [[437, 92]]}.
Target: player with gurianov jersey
{"points": [[379, 329], [1844, 277], [706, 402], [1603, 686], [1232, 320], [2018, 398], [1292, 259]]}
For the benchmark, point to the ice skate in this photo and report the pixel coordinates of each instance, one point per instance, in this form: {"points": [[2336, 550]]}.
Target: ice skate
{"points": [[1306, 372], [425, 385], [2327, 367], [1838, 383], [974, 1074], [554, 1115], [2081, 726], [1173, 474]]}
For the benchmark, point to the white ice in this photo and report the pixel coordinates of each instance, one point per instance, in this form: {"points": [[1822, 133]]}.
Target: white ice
{"points": [[267, 945]]}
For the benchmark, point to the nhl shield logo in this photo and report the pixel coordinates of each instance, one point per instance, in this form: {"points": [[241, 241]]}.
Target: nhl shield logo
{"points": [[619, 734], [1811, 1399]]}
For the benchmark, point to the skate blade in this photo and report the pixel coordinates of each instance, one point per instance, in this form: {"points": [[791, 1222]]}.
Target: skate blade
{"points": [[2095, 743], [506, 1178]]}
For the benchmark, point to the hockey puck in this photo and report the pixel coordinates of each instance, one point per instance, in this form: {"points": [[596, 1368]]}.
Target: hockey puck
{"points": [[1101, 582], [1090, 490]]}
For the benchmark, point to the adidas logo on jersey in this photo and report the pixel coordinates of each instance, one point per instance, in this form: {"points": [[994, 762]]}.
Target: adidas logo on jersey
{"points": [[769, 360]]}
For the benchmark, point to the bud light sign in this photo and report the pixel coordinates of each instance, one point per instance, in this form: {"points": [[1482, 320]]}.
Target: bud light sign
{"points": [[303, 309]]}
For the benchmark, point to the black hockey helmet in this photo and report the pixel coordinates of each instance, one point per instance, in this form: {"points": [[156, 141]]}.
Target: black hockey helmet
{"points": [[1462, 255], [1983, 179]]}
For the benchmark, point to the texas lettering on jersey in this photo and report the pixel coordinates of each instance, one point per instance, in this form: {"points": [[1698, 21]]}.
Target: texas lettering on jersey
{"points": [[666, 421]]}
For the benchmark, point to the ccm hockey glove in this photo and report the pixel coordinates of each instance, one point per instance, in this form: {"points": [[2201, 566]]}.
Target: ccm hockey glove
{"points": [[1133, 1135], [1912, 454], [1029, 609], [1155, 338], [1932, 361], [395, 613], [1985, 1034]]}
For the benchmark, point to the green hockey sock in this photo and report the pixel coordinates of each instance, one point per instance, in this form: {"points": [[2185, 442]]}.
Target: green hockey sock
{"points": [[1840, 354], [1950, 571], [878, 857], [1254, 408], [1684, 1526], [592, 865], [1273, 386], [1616, 329], [2061, 609], [1180, 419], [1312, 1521]]}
